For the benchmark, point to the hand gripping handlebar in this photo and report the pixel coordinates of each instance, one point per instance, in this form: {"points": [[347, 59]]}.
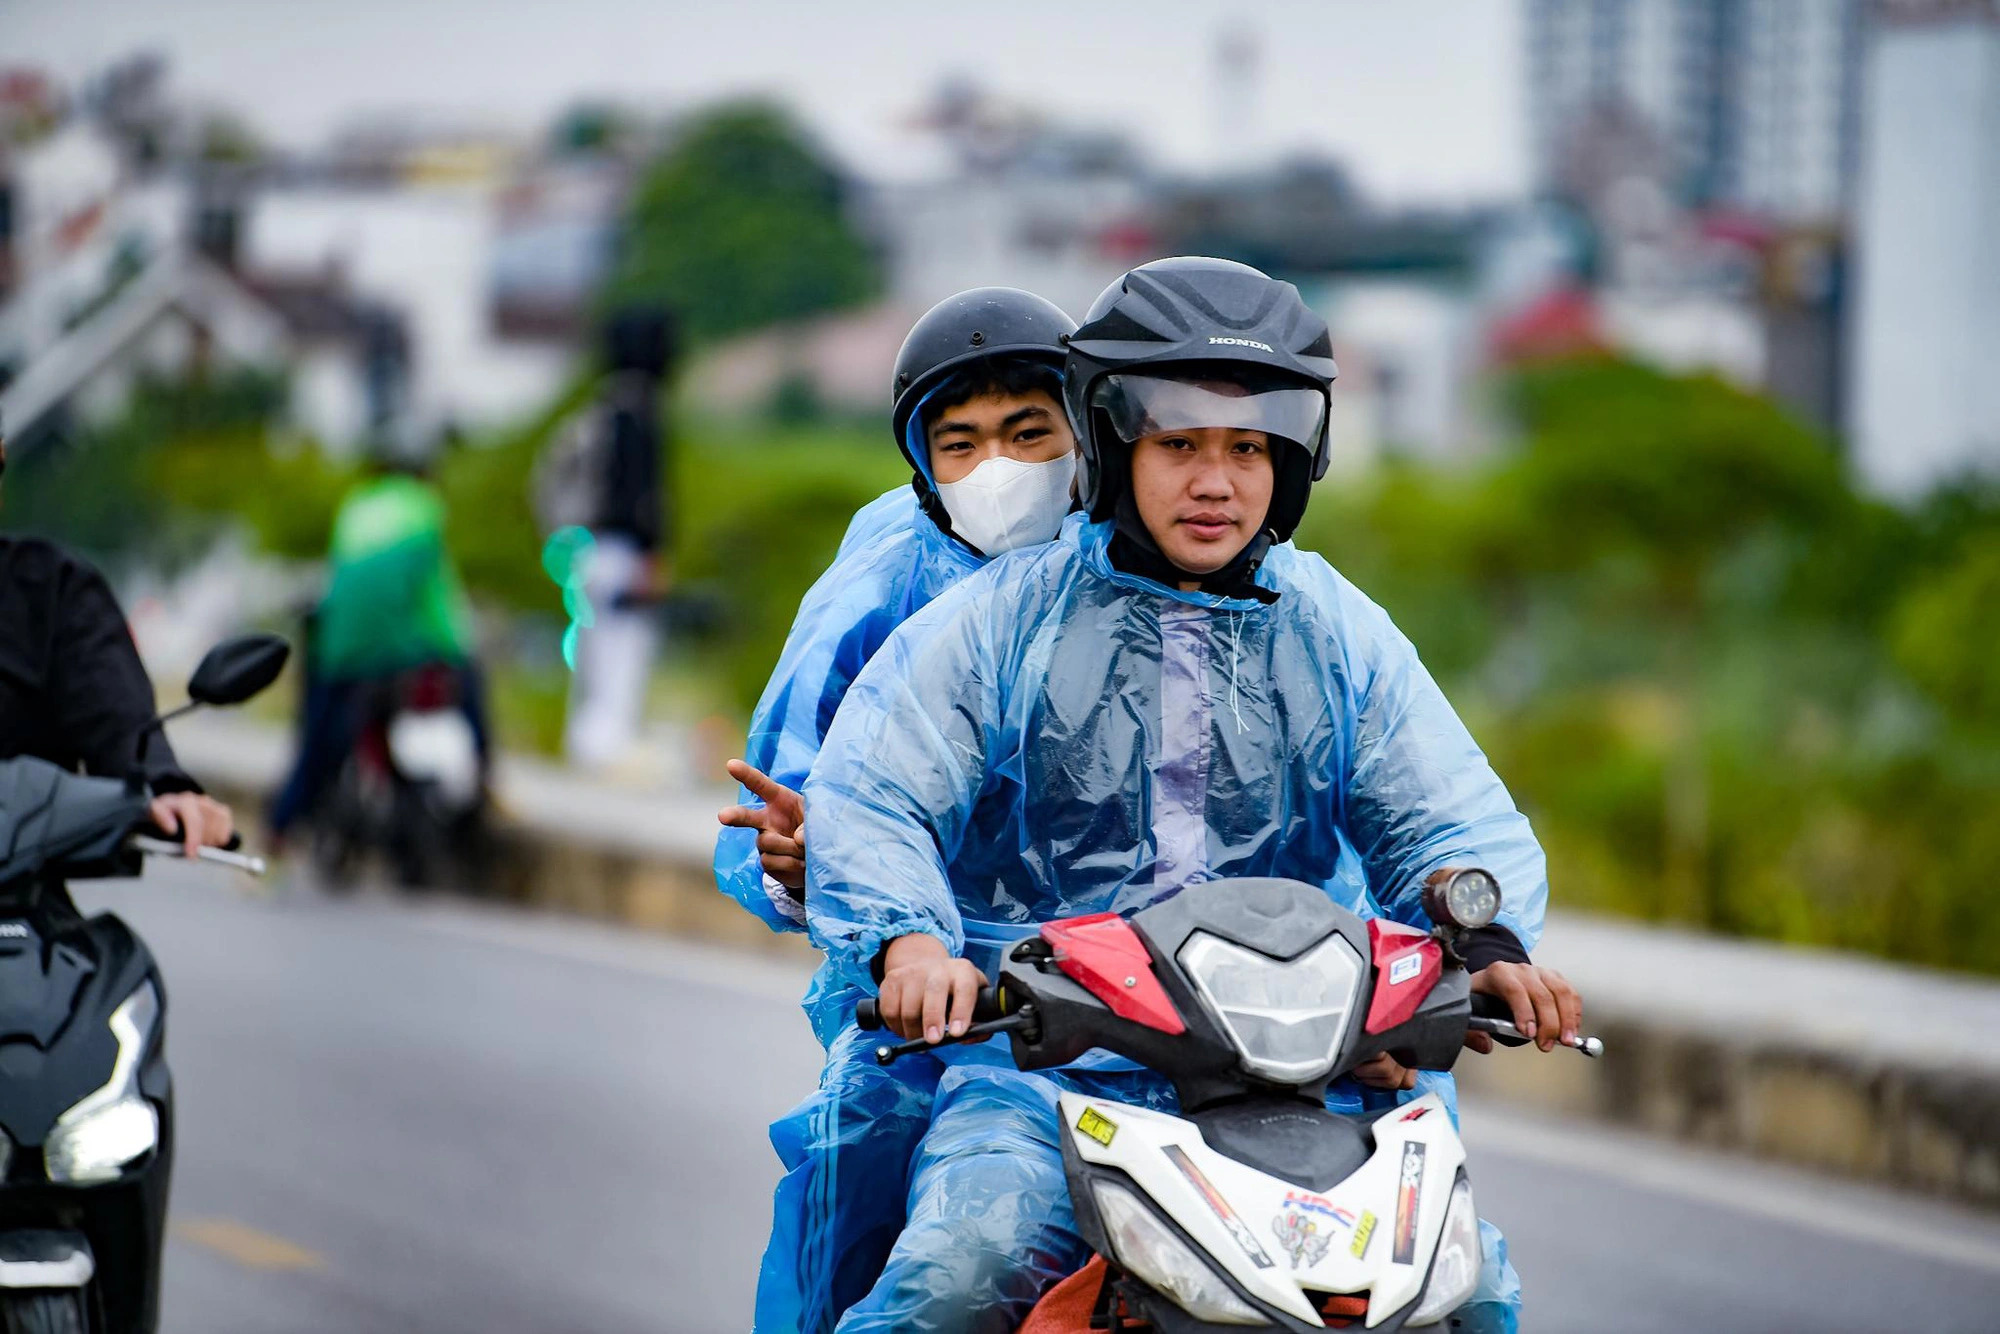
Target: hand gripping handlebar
{"points": [[991, 1015]]}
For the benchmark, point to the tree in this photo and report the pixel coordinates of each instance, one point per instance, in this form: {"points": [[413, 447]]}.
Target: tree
{"points": [[741, 224]]}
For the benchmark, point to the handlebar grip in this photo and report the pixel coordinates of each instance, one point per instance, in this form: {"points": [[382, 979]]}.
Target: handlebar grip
{"points": [[986, 1007], [1485, 1006], [990, 1004]]}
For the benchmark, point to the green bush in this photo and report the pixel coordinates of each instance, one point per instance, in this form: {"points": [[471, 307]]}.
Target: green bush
{"points": [[184, 461], [758, 515], [740, 224], [1729, 691]]}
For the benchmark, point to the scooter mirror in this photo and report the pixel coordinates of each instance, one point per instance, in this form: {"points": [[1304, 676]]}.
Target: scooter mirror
{"points": [[238, 668]]}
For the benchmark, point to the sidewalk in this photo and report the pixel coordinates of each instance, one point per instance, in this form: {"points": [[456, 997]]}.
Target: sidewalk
{"points": [[1831, 1060], [229, 752]]}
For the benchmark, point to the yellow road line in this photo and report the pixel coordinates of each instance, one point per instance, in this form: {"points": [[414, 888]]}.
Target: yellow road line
{"points": [[246, 1245]]}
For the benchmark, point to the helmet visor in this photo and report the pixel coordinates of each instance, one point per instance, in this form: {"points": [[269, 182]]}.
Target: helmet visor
{"points": [[1143, 405]]}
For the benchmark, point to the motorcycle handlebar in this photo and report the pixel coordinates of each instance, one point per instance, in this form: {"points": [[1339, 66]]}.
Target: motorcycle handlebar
{"points": [[988, 1006], [159, 847], [1494, 1016]]}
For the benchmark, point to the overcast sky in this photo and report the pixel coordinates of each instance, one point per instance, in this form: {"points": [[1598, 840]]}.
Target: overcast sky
{"points": [[1421, 98]]}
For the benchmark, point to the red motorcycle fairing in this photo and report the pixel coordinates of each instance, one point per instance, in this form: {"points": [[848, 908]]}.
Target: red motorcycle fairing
{"points": [[1105, 956], [1408, 964]]}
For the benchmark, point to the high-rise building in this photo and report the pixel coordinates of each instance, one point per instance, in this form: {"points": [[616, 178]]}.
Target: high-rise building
{"points": [[1925, 320], [1753, 101]]}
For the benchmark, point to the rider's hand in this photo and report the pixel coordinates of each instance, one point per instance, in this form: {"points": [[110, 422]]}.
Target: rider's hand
{"points": [[1545, 1005], [780, 826], [1385, 1072], [925, 991], [195, 819]]}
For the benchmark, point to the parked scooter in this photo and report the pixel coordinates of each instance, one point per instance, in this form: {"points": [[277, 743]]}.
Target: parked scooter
{"points": [[1258, 1207], [86, 1103]]}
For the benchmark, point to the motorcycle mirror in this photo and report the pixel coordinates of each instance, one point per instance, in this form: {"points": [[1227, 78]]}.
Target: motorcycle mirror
{"points": [[238, 668], [1467, 899]]}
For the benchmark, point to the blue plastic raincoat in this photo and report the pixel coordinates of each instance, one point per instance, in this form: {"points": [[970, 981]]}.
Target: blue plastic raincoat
{"points": [[861, 1128], [891, 511], [892, 562], [1055, 737]]}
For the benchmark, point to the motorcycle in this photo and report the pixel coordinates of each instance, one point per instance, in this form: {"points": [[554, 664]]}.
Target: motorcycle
{"points": [[1256, 1206], [411, 786], [86, 1101]]}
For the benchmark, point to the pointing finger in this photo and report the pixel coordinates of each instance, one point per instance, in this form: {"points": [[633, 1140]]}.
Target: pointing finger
{"points": [[761, 784]]}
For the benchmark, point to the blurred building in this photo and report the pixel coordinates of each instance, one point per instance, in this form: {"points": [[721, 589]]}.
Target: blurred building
{"points": [[1752, 102], [1023, 202], [1925, 403], [838, 364], [1709, 146], [410, 280]]}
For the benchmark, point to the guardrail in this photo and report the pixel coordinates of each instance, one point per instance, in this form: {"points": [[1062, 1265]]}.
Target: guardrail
{"points": [[1833, 1061]]}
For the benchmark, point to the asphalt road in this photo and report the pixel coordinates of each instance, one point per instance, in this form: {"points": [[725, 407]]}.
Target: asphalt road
{"points": [[434, 1118]]}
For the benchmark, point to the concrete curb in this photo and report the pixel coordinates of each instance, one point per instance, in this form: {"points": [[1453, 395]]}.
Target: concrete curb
{"points": [[1910, 1127], [1803, 1056]]}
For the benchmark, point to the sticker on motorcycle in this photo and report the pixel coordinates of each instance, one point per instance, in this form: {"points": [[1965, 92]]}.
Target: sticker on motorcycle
{"points": [[1305, 1226], [1237, 1228], [1409, 1193], [1406, 968], [1098, 1127], [1364, 1232]]}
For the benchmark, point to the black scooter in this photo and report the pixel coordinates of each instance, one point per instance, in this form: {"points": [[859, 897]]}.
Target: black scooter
{"points": [[86, 1103]]}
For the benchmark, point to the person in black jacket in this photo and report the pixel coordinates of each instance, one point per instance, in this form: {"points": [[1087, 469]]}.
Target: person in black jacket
{"points": [[73, 691]]}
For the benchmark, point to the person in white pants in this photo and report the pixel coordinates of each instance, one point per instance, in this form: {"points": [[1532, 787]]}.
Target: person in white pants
{"points": [[614, 653], [609, 475]]}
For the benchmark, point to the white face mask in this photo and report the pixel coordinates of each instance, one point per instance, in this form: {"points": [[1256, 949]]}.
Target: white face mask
{"points": [[1004, 503]]}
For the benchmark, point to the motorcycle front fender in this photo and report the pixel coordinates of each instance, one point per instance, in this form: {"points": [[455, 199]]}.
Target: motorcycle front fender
{"points": [[45, 1258]]}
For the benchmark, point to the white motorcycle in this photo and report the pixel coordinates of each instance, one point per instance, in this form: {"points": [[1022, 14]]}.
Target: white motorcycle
{"points": [[1258, 1207]]}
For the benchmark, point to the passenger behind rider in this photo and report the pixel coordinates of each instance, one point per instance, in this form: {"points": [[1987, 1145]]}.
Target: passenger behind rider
{"points": [[1168, 693], [976, 409]]}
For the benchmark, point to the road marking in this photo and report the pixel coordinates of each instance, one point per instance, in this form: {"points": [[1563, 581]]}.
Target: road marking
{"points": [[247, 1246], [1872, 1215]]}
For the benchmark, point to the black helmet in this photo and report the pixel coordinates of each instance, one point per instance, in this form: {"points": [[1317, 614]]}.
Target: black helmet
{"points": [[971, 326], [1194, 317]]}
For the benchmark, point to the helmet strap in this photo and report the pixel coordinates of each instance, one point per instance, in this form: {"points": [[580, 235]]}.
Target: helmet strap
{"points": [[1134, 551]]}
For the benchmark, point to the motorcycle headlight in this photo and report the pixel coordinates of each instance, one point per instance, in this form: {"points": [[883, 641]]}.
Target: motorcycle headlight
{"points": [[1455, 1270], [1148, 1248], [1286, 1017], [110, 1127]]}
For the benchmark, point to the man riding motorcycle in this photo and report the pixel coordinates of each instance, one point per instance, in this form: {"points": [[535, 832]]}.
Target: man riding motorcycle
{"points": [[1168, 693], [393, 603], [977, 411], [73, 691]]}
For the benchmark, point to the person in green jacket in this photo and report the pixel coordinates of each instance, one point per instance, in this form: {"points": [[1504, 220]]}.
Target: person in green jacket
{"points": [[393, 603]]}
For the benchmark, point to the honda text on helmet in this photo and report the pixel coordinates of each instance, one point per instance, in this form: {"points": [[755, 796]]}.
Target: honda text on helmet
{"points": [[986, 345]]}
